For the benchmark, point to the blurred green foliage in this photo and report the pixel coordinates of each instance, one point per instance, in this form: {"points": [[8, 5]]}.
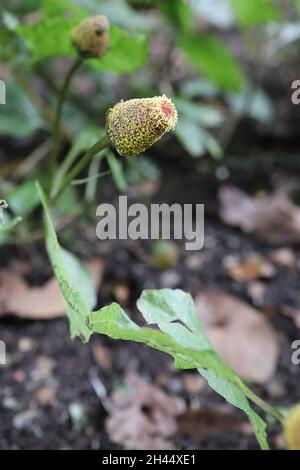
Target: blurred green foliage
{"points": [[148, 38], [208, 56], [250, 13]]}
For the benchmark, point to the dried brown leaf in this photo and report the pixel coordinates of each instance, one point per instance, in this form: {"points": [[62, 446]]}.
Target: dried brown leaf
{"points": [[18, 298], [244, 337], [143, 416], [274, 218]]}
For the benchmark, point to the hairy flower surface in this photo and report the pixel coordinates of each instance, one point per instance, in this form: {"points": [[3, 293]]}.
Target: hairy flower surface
{"points": [[90, 36], [134, 125], [292, 429]]}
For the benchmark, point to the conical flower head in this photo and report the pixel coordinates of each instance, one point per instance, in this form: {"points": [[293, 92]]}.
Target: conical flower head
{"points": [[90, 36], [292, 429], [134, 125]]}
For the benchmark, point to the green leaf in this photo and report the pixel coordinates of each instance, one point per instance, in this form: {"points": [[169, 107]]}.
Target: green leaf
{"points": [[190, 135], [82, 142], [125, 54], [8, 226], [189, 130], [197, 87], [195, 139], [69, 202], [20, 118], [80, 277], [9, 20], [167, 305], [57, 7], [23, 199], [201, 114], [76, 307], [187, 343], [142, 169], [253, 103], [175, 313], [235, 396], [208, 55], [254, 12], [119, 13], [50, 37], [117, 171], [178, 13], [112, 321]]}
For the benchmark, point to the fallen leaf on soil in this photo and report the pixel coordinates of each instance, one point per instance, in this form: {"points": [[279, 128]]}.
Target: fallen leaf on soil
{"points": [[203, 423], [241, 335], [253, 267], [274, 218], [283, 257], [143, 416], [293, 313], [18, 298]]}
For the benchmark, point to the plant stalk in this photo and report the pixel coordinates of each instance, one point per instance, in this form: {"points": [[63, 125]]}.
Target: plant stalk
{"points": [[100, 145], [57, 122], [268, 409]]}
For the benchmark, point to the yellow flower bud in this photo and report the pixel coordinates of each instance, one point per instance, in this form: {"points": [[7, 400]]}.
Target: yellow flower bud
{"points": [[90, 36], [134, 125], [292, 429]]}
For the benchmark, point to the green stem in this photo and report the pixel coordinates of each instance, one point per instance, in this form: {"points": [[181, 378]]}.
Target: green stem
{"points": [[100, 145], [270, 410], [61, 99]]}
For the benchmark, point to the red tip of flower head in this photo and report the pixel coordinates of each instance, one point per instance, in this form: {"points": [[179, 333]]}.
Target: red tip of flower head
{"points": [[167, 110], [134, 125]]}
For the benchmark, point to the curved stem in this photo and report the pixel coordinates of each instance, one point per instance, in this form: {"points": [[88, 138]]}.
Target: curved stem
{"points": [[270, 410], [61, 99], [100, 145]]}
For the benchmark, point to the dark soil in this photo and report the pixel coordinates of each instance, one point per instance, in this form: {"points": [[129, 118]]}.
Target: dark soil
{"points": [[26, 423]]}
